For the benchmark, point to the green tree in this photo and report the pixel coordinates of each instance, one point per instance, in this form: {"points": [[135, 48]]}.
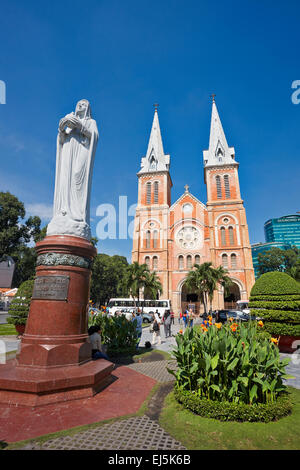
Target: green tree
{"points": [[107, 273], [152, 285], [14, 232], [135, 278], [203, 278], [276, 259]]}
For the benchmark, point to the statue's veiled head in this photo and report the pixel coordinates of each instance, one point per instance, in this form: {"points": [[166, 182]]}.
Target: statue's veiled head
{"points": [[83, 109]]}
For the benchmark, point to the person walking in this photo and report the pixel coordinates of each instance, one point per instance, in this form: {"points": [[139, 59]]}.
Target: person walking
{"points": [[180, 317], [156, 328], [172, 317], [192, 317], [185, 317], [139, 329], [167, 319]]}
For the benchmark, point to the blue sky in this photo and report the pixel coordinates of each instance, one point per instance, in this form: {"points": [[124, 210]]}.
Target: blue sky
{"points": [[125, 55]]}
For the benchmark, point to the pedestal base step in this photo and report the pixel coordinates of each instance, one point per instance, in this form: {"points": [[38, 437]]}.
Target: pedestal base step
{"points": [[26, 386]]}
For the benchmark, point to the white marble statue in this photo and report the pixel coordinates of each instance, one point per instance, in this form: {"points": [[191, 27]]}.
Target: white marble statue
{"points": [[76, 146]]}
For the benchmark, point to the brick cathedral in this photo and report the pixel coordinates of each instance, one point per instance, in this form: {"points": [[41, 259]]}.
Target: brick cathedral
{"points": [[171, 238]]}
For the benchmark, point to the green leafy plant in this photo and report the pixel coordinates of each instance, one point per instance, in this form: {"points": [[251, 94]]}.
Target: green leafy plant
{"points": [[19, 307], [229, 363], [117, 333], [275, 297]]}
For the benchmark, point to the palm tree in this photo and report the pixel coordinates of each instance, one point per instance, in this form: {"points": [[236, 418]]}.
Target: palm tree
{"points": [[204, 278], [201, 280], [221, 277], [153, 284], [135, 278]]}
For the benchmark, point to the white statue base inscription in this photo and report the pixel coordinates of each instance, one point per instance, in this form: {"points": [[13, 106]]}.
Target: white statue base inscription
{"points": [[76, 146]]}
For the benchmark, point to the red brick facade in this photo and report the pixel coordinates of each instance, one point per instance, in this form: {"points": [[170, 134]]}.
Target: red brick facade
{"points": [[172, 238]]}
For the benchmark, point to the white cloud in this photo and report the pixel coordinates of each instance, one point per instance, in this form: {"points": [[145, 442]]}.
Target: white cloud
{"points": [[44, 211]]}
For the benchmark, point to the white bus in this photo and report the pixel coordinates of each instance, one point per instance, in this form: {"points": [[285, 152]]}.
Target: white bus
{"points": [[148, 306]]}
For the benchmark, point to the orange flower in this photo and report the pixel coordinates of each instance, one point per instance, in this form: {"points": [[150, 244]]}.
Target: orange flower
{"points": [[210, 318], [180, 332], [230, 319], [274, 340], [218, 325], [260, 323], [233, 327], [204, 328]]}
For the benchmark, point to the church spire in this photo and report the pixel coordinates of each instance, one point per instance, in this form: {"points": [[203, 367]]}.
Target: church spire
{"points": [[155, 159], [218, 152]]}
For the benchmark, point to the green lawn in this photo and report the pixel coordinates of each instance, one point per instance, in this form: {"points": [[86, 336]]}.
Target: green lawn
{"points": [[7, 329], [198, 433]]}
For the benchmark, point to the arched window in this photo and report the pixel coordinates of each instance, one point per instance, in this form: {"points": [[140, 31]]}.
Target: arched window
{"points": [[155, 192], [180, 262], [219, 188], [155, 262], [197, 259], [188, 261], [148, 236], [225, 261], [231, 235], [227, 187], [148, 186], [233, 261], [155, 237], [223, 236], [147, 261]]}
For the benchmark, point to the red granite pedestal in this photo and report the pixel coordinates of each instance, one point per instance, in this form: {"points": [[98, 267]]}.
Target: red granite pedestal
{"points": [[54, 363]]}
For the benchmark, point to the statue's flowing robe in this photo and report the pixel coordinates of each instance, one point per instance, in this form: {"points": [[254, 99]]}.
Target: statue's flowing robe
{"points": [[74, 166]]}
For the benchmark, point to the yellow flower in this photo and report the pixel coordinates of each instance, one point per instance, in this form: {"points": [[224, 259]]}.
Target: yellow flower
{"points": [[218, 325], [260, 323], [204, 328], [230, 319], [274, 340]]}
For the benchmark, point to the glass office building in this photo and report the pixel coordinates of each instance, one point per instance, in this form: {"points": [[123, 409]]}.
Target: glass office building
{"points": [[285, 230]]}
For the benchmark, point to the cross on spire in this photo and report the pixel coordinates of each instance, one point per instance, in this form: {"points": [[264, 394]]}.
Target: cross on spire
{"points": [[186, 188], [213, 97], [155, 106]]}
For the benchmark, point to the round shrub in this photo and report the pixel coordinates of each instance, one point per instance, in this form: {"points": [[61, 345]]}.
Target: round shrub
{"points": [[226, 411], [275, 297], [19, 307]]}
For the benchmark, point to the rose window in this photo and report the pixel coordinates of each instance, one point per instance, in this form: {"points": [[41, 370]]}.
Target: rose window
{"points": [[188, 238]]}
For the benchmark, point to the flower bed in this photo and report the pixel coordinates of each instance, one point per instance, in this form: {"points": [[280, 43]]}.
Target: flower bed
{"points": [[231, 372]]}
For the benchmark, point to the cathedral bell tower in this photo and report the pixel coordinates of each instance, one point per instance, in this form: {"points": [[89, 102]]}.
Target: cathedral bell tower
{"points": [[150, 240], [229, 237]]}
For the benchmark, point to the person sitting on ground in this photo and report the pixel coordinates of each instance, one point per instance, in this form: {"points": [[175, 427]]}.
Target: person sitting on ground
{"points": [[95, 340]]}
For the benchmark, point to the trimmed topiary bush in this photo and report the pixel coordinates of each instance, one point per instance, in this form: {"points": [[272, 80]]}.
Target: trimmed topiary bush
{"points": [[19, 307], [275, 297], [227, 411]]}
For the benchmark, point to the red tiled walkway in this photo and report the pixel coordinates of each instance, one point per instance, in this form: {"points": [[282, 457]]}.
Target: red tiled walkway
{"points": [[125, 395]]}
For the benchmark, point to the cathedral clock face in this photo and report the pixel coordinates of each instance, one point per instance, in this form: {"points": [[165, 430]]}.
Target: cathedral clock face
{"points": [[189, 238]]}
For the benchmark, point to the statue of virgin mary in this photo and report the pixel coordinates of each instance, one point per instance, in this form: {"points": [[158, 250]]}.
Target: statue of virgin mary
{"points": [[76, 146]]}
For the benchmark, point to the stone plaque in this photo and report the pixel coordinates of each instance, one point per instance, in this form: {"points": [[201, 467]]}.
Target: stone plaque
{"points": [[51, 287]]}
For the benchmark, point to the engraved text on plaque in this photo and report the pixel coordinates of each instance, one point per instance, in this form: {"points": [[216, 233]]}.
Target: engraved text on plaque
{"points": [[51, 287]]}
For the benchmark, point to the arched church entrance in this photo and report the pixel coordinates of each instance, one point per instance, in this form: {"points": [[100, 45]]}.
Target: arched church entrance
{"points": [[232, 295], [189, 300]]}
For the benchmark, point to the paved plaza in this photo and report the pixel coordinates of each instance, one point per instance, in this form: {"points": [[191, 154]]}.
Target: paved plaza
{"points": [[133, 433]]}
